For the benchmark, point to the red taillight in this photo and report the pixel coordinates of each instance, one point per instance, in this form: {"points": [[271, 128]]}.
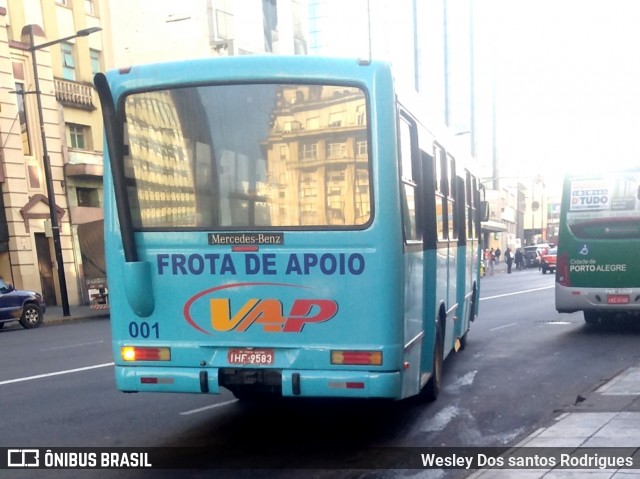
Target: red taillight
{"points": [[138, 353], [359, 358], [562, 270]]}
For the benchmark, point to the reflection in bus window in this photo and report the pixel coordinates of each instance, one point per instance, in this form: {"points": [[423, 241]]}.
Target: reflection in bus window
{"points": [[264, 155]]}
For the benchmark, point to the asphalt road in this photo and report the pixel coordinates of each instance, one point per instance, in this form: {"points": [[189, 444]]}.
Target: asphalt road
{"points": [[523, 364]]}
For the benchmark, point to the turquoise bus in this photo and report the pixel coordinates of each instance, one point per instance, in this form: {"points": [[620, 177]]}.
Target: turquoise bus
{"points": [[598, 271], [282, 225]]}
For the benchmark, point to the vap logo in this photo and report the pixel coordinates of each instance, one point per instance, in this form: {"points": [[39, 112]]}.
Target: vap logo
{"points": [[23, 458], [230, 310]]}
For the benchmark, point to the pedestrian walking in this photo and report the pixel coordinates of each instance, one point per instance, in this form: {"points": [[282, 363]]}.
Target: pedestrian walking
{"points": [[497, 254], [508, 257], [492, 260], [519, 260]]}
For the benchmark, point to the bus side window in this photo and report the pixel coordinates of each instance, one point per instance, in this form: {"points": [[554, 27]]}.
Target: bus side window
{"points": [[478, 213], [408, 183], [461, 208], [442, 190], [451, 200], [470, 205], [433, 222]]}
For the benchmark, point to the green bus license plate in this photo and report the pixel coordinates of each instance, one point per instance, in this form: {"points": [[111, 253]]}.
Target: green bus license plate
{"points": [[617, 299], [250, 356]]}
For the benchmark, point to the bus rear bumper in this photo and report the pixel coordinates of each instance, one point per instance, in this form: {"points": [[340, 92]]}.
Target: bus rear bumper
{"points": [[292, 383], [572, 299]]}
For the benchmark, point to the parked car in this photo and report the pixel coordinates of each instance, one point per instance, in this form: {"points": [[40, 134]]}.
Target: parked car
{"points": [[548, 260], [27, 307], [532, 254]]}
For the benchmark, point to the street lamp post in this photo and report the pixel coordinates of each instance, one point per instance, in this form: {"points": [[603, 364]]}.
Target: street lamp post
{"points": [[46, 162]]}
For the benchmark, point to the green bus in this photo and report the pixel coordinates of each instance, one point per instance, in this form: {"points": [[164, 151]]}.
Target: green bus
{"points": [[598, 270]]}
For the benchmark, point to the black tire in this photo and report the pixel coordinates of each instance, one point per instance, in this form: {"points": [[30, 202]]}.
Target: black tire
{"points": [[472, 304], [463, 341], [2, 325], [591, 317], [31, 316], [431, 390], [472, 308]]}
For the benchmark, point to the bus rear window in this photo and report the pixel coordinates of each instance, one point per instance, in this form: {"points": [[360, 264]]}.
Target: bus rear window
{"points": [[605, 208], [248, 156], [607, 228]]}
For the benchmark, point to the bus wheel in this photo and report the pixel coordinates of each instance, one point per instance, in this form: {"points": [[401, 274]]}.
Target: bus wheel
{"points": [[472, 304], [463, 340], [432, 388], [591, 317]]}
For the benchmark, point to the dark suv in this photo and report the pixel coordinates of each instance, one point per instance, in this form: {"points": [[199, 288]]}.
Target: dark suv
{"points": [[532, 254], [17, 305]]}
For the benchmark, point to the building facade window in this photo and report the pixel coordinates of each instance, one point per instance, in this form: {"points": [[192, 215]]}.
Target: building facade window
{"points": [[78, 136], [224, 20], [362, 148], [335, 119], [88, 197], [309, 152], [89, 7], [95, 61], [22, 114], [361, 116], [270, 24], [337, 150], [68, 63], [34, 177]]}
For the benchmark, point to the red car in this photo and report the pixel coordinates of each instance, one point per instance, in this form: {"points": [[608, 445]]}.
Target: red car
{"points": [[548, 260]]}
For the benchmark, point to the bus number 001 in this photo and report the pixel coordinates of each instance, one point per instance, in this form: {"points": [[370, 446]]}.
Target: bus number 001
{"points": [[144, 330]]}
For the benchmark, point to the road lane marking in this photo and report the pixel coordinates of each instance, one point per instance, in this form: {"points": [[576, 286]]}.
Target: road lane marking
{"points": [[206, 408], [503, 326], [457, 384], [497, 296], [441, 419], [79, 345], [57, 373]]}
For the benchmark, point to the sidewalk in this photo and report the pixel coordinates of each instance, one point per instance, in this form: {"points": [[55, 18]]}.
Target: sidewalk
{"points": [[608, 417], [500, 267], [54, 314]]}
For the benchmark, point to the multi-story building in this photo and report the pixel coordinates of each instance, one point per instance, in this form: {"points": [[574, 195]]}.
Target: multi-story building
{"points": [[317, 151], [202, 28], [72, 122], [170, 31], [72, 127]]}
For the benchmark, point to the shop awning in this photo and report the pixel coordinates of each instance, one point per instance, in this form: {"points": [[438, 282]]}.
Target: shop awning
{"points": [[493, 226]]}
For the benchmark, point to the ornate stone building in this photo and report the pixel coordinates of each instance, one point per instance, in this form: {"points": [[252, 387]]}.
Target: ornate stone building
{"points": [[72, 127]]}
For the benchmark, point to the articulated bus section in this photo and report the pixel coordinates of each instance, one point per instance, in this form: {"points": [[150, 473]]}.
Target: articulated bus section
{"points": [[283, 226]]}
